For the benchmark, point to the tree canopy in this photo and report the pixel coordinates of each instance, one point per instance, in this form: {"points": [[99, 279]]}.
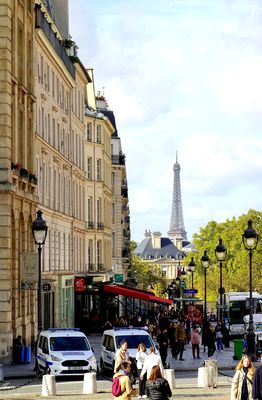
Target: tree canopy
{"points": [[235, 269]]}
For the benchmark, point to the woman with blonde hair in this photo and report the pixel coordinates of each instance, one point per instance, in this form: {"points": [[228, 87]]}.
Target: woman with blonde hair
{"points": [[241, 388], [140, 359], [157, 387]]}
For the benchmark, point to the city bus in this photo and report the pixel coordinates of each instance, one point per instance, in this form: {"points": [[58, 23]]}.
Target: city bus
{"points": [[236, 306]]}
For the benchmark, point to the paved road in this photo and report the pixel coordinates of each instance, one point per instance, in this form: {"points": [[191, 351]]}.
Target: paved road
{"points": [[186, 387]]}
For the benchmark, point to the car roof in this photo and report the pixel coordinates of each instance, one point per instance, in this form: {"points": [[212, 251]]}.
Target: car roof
{"points": [[62, 332], [126, 332]]}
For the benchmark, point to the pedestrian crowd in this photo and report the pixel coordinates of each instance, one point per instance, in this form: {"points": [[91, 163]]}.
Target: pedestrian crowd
{"points": [[174, 331]]}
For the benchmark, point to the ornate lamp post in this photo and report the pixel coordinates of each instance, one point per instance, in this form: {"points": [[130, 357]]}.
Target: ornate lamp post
{"points": [[39, 229], [250, 240], [191, 267], [220, 252], [205, 264]]}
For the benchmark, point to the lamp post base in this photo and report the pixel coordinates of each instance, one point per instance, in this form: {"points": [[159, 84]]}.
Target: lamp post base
{"points": [[251, 345]]}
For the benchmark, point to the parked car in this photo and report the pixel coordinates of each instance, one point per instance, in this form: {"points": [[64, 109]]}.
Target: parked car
{"points": [[64, 352], [111, 340]]}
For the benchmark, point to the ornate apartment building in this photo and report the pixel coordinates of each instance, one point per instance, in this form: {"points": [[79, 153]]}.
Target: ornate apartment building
{"points": [[55, 155]]}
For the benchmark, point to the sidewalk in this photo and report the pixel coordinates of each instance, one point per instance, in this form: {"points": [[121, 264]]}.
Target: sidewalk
{"points": [[224, 359]]}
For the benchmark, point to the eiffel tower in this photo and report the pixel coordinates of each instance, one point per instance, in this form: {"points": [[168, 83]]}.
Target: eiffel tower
{"points": [[177, 232]]}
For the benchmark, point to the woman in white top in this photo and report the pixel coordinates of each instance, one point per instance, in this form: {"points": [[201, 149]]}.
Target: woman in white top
{"points": [[151, 360], [140, 361]]}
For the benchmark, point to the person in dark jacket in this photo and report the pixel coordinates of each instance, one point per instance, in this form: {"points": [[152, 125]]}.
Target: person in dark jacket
{"points": [[257, 383], [157, 387], [163, 345], [210, 341]]}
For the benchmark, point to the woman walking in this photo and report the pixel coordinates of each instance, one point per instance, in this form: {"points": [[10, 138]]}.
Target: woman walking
{"points": [[151, 360], [241, 388], [140, 359], [157, 387]]}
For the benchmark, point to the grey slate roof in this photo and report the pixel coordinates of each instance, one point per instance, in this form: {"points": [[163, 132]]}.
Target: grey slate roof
{"points": [[145, 249]]}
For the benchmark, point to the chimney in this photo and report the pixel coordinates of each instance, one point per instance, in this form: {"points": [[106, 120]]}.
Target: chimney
{"points": [[147, 233], [156, 240], [179, 242]]}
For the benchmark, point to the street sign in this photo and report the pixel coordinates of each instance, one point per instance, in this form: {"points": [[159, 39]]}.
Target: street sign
{"points": [[190, 291], [119, 278]]}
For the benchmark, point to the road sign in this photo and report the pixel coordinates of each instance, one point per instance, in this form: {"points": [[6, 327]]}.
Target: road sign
{"points": [[119, 278], [190, 291]]}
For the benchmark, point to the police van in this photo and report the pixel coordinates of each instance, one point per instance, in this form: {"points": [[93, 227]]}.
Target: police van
{"points": [[64, 352]]}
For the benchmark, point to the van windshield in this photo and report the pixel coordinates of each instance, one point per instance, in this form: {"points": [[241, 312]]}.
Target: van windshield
{"points": [[134, 341], [69, 343]]}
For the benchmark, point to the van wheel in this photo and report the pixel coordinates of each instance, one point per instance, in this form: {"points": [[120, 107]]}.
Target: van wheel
{"points": [[39, 373], [102, 367], [47, 370]]}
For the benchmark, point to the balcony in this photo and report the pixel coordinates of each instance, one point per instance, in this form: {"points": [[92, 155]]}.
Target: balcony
{"points": [[91, 267], [100, 267], [100, 226], [41, 22], [90, 225]]}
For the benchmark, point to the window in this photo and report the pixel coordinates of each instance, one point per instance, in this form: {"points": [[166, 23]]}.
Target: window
{"points": [[98, 134], [89, 132], [89, 168], [90, 210], [98, 251], [98, 169]]}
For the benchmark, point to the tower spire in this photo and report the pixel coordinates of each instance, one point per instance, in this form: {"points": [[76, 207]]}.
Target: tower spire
{"points": [[177, 231]]}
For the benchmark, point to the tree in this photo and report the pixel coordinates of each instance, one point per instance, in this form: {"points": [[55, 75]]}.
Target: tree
{"points": [[236, 266], [146, 273]]}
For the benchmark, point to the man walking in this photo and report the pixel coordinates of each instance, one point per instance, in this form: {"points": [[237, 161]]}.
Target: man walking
{"points": [[257, 383]]}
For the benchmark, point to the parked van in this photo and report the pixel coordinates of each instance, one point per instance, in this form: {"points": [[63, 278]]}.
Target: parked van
{"points": [[64, 352], [111, 340]]}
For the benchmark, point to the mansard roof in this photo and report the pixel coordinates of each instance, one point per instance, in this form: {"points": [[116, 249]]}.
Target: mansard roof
{"points": [[110, 115], [146, 250]]}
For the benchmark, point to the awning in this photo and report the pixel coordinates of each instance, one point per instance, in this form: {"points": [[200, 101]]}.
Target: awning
{"points": [[135, 293], [160, 299]]}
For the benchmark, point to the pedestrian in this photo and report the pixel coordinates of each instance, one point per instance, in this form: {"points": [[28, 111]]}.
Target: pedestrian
{"points": [[219, 336], [225, 333], [162, 340], [241, 388], [126, 388], [195, 341], [257, 383], [173, 339], [181, 339], [210, 341], [121, 355], [152, 359], [17, 349], [157, 387], [140, 359]]}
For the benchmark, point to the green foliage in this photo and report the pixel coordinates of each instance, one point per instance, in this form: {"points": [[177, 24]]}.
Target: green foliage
{"points": [[235, 270], [146, 273]]}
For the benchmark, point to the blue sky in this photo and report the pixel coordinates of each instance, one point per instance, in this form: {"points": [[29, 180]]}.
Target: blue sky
{"points": [[180, 75]]}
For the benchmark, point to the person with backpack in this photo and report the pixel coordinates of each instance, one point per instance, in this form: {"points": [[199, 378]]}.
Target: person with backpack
{"points": [[157, 387], [121, 386]]}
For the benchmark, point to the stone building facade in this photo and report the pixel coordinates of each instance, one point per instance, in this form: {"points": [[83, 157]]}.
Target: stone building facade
{"points": [[47, 107]]}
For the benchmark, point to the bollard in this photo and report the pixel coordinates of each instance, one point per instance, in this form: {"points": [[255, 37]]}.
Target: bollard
{"points": [[48, 385], [89, 386], [1, 373], [170, 377], [202, 379]]}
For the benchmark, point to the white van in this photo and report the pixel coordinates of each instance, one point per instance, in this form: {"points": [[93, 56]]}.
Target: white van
{"points": [[111, 340], [64, 352]]}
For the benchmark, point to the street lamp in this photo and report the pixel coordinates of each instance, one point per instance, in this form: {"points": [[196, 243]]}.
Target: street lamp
{"points": [[39, 229], [220, 252], [205, 265], [191, 267], [250, 239]]}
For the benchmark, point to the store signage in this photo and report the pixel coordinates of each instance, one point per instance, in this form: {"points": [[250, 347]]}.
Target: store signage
{"points": [[79, 284]]}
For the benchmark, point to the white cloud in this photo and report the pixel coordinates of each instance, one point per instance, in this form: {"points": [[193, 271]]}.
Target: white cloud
{"points": [[181, 75]]}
